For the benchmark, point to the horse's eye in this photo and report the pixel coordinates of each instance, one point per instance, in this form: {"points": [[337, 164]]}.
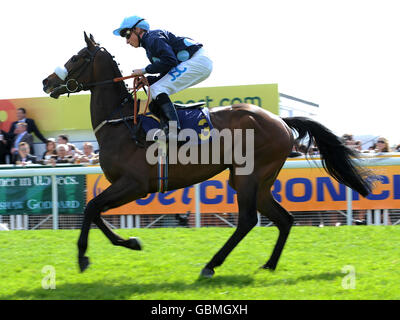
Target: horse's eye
{"points": [[74, 59]]}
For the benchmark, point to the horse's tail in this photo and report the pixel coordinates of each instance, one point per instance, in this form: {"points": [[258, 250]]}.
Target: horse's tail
{"points": [[335, 155]]}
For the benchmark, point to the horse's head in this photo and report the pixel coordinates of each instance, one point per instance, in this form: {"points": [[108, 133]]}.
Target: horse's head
{"points": [[75, 73]]}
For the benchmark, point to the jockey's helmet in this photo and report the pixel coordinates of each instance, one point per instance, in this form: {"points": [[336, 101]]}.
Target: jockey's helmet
{"points": [[132, 22]]}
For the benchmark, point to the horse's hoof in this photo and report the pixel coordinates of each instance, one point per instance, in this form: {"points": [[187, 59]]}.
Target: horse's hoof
{"points": [[269, 267], [133, 243], [207, 273], [83, 263]]}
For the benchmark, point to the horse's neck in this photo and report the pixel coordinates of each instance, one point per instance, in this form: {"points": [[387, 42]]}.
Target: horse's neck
{"points": [[105, 98], [103, 101]]}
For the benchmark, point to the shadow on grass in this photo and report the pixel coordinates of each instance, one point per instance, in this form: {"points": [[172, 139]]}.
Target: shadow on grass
{"points": [[325, 276], [106, 290], [109, 291]]}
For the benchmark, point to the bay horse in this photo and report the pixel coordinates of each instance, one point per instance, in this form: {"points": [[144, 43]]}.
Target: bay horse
{"points": [[132, 177]]}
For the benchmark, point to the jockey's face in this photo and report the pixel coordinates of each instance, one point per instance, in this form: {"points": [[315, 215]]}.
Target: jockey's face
{"points": [[133, 40]]}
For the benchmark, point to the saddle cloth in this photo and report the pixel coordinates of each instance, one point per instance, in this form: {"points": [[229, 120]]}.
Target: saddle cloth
{"points": [[197, 119]]}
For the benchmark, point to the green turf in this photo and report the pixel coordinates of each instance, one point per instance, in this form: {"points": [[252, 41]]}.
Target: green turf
{"points": [[310, 268]]}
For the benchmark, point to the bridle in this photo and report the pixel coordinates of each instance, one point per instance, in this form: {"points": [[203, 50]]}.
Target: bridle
{"points": [[72, 85]]}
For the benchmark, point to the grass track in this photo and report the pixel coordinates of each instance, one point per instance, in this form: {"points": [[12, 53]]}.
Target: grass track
{"points": [[168, 267]]}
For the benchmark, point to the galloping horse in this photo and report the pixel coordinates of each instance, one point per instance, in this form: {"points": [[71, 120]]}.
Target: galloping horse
{"points": [[132, 177]]}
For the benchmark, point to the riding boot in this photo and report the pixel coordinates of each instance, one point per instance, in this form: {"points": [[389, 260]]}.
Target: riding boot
{"points": [[168, 113]]}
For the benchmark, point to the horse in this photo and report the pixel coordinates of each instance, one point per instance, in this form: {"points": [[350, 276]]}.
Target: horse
{"points": [[124, 162]]}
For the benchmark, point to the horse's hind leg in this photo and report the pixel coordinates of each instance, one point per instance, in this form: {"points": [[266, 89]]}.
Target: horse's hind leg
{"points": [[119, 193], [271, 209], [246, 195]]}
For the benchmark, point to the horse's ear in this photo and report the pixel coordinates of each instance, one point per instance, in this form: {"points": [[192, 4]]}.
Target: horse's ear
{"points": [[94, 41], [90, 43]]}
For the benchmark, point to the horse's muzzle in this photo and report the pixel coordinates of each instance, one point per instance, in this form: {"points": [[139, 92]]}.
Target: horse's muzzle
{"points": [[46, 88], [53, 86], [57, 92]]}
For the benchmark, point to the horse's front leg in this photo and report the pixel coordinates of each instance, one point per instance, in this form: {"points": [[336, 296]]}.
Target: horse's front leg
{"points": [[131, 243], [89, 213], [119, 193]]}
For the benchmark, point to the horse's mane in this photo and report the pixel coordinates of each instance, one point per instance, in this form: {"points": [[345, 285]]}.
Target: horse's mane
{"points": [[124, 93]]}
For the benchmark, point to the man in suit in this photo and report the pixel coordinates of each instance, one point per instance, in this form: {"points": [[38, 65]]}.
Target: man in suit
{"points": [[21, 135], [31, 127], [24, 157], [4, 145]]}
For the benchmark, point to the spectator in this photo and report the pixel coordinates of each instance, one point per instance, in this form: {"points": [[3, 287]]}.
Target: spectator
{"points": [[4, 145], [50, 152], [31, 126], [62, 155], [88, 155], [397, 148], [303, 149], [183, 219], [347, 137], [21, 135], [349, 141], [314, 151], [372, 148], [63, 139], [295, 151], [382, 145], [358, 145], [24, 157]]}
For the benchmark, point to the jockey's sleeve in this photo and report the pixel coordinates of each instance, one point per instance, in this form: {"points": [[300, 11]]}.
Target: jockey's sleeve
{"points": [[163, 57]]}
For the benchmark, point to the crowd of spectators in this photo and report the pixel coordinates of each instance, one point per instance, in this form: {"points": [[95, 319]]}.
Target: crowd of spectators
{"points": [[16, 146], [377, 146]]}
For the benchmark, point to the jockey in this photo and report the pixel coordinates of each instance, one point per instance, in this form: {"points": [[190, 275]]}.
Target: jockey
{"points": [[179, 61]]}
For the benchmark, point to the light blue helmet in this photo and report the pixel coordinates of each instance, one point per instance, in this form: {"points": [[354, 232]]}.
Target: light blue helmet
{"points": [[131, 22]]}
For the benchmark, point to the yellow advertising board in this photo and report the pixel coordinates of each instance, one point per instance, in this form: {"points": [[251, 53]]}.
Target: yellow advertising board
{"points": [[61, 115], [73, 113], [263, 95], [298, 189]]}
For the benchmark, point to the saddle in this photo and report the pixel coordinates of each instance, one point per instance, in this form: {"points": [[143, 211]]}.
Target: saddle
{"points": [[191, 116]]}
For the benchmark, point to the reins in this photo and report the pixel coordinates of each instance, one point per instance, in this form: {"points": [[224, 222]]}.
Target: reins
{"points": [[137, 80]]}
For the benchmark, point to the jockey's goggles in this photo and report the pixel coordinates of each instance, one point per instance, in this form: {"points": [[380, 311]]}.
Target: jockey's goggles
{"points": [[126, 33]]}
